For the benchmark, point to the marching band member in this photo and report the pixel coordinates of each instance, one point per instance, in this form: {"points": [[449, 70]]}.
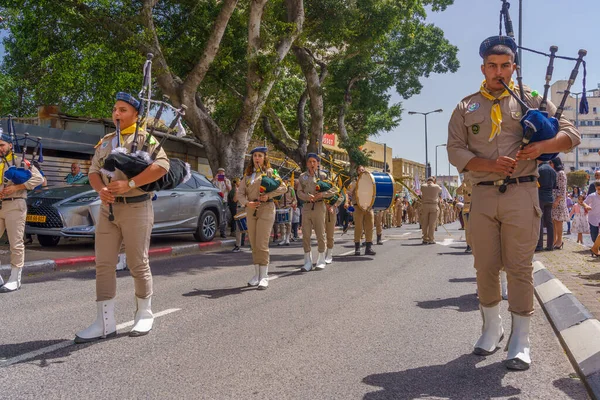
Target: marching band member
{"points": [[287, 201], [13, 211], [363, 220], [484, 138], [314, 210], [430, 195], [330, 219], [379, 217], [260, 211], [132, 225]]}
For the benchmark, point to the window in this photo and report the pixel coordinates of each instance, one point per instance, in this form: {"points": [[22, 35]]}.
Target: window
{"points": [[595, 110], [203, 181], [596, 123], [191, 184]]}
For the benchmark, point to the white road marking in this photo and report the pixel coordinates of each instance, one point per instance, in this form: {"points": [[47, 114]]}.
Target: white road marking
{"points": [[67, 343]]}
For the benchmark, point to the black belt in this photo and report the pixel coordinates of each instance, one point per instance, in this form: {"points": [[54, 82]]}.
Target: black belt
{"points": [[504, 182], [13, 198], [133, 199], [268, 201]]}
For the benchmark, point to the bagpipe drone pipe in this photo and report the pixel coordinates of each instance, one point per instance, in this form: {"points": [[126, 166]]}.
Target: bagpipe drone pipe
{"points": [[21, 173]]}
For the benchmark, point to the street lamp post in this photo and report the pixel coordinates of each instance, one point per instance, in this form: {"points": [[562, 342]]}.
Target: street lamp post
{"points": [[436, 163], [427, 172], [576, 122]]}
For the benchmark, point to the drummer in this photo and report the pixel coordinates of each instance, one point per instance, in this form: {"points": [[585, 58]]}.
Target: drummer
{"points": [[287, 203], [363, 220], [330, 220], [313, 212], [260, 212]]}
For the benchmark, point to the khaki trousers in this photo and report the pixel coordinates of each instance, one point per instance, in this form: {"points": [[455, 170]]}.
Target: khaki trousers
{"points": [[363, 220], [398, 219], [313, 219], [132, 227], [379, 215], [259, 231], [429, 217], [330, 218], [467, 230], [504, 229], [12, 220]]}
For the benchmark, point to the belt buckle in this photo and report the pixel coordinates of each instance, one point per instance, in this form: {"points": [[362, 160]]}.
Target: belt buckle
{"points": [[499, 182]]}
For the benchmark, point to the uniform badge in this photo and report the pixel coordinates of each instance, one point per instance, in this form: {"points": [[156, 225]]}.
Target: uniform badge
{"points": [[518, 114], [473, 107], [104, 144], [475, 128]]}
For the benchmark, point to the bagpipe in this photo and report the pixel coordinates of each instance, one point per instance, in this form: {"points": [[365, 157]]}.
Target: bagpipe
{"points": [[537, 124], [135, 161]]}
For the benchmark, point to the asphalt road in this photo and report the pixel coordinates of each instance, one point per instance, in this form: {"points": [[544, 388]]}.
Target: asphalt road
{"points": [[399, 325]]}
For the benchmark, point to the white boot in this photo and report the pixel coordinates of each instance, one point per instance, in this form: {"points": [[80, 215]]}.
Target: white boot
{"points": [[307, 262], [14, 282], [287, 239], [105, 325], [1, 281], [518, 344], [320, 262], [504, 285], [492, 332], [122, 264], [329, 256], [255, 279], [263, 277], [142, 323]]}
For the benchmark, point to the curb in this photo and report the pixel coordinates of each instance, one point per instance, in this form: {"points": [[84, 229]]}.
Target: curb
{"points": [[577, 330], [70, 263]]}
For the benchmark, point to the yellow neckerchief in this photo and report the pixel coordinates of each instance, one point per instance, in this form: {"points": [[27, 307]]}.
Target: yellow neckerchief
{"points": [[496, 113], [3, 163]]}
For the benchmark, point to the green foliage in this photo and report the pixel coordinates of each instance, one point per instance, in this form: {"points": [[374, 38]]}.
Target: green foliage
{"points": [[577, 179]]}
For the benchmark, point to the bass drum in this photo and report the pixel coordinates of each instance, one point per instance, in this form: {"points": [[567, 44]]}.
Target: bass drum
{"points": [[375, 191]]}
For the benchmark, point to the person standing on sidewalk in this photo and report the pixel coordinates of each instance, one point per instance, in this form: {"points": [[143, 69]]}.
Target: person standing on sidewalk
{"points": [[579, 212], [560, 212], [592, 187], [132, 224], [546, 185], [13, 211], [260, 212], [430, 195], [484, 138], [593, 200], [223, 183], [363, 220]]}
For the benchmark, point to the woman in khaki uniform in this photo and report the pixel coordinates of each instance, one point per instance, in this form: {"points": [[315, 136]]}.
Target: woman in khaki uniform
{"points": [[132, 225], [260, 213]]}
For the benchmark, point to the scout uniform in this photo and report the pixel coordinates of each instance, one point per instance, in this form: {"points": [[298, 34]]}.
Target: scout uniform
{"points": [[363, 220], [260, 219], [379, 217], [12, 218], [399, 208], [465, 190], [330, 219], [504, 226], [287, 202], [429, 210], [131, 227], [313, 215]]}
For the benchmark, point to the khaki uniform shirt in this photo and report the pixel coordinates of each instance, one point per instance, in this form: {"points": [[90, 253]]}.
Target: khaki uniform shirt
{"points": [[33, 182], [470, 127], [288, 199], [430, 193], [249, 189], [109, 142], [308, 185], [465, 190]]}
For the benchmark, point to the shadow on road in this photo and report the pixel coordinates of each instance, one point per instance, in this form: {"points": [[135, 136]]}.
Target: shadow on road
{"points": [[464, 303], [459, 379], [218, 293], [454, 253]]}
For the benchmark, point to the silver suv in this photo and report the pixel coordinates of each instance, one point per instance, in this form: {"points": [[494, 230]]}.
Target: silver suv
{"points": [[194, 207]]}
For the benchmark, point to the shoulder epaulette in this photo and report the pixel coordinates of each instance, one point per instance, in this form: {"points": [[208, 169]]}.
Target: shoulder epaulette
{"points": [[108, 136], [469, 96]]}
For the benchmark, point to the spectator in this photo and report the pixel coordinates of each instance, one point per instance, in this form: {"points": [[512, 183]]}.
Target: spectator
{"points": [[295, 223], [576, 193], [569, 208], [580, 220], [224, 185], [560, 213], [547, 182], [593, 200], [75, 174], [592, 188], [232, 204]]}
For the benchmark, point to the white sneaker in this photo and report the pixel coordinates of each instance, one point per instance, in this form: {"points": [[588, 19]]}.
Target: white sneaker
{"points": [[329, 256], [144, 319], [307, 262], [320, 262], [255, 279], [105, 325], [492, 332], [14, 281]]}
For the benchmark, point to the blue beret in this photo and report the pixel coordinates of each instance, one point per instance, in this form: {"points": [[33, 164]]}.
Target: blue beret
{"points": [[495, 41], [313, 155], [259, 149], [5, 138], [129, 99]]}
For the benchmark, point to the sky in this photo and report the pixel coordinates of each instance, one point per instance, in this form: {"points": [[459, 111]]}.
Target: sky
{"points": [[570, 25]]}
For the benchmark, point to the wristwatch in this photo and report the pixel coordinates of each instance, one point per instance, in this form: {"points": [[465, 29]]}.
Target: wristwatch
{"points": [[131, 183]]}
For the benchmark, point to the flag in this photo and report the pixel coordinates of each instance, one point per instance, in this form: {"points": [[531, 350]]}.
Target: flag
{"points": [[417, 185], [445, 193]]}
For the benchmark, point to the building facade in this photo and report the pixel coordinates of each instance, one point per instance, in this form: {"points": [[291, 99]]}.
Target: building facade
{"points": [[407, 170]]}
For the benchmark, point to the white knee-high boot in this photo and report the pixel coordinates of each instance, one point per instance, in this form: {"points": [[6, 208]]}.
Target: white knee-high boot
{"points": [[518, 357], [320, 262], [105, 325], [492, 332], [255, 279], [307, 262], [144, 319], [263, 277], [14, 281], [328, 256]]}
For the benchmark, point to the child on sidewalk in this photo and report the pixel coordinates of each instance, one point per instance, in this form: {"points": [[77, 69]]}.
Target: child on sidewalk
{"points": [[580, 222], [295, 222]]}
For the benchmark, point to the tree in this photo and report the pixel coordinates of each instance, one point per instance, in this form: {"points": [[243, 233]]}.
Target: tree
{"points": [[577, 179]]}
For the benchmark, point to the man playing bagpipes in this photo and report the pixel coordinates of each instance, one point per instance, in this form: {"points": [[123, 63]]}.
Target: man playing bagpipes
{"points": [[286, 201], [126, 216], [16, 181], [313, 189], [486, 137]]}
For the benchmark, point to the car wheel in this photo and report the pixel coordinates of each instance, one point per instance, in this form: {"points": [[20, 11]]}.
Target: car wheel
{"points": [[48, 241], [207, 227]]}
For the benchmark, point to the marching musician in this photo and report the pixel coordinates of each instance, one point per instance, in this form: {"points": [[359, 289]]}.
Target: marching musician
{"points": [[132, 224], [314, 210], [287, 202], [484, 137], [379, 217], [13, 211], [430, 196], [260, 212], [363, 220], [330, 220]]}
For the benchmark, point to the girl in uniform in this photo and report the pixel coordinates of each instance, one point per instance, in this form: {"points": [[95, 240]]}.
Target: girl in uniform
{"points": [[260, 212]]}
